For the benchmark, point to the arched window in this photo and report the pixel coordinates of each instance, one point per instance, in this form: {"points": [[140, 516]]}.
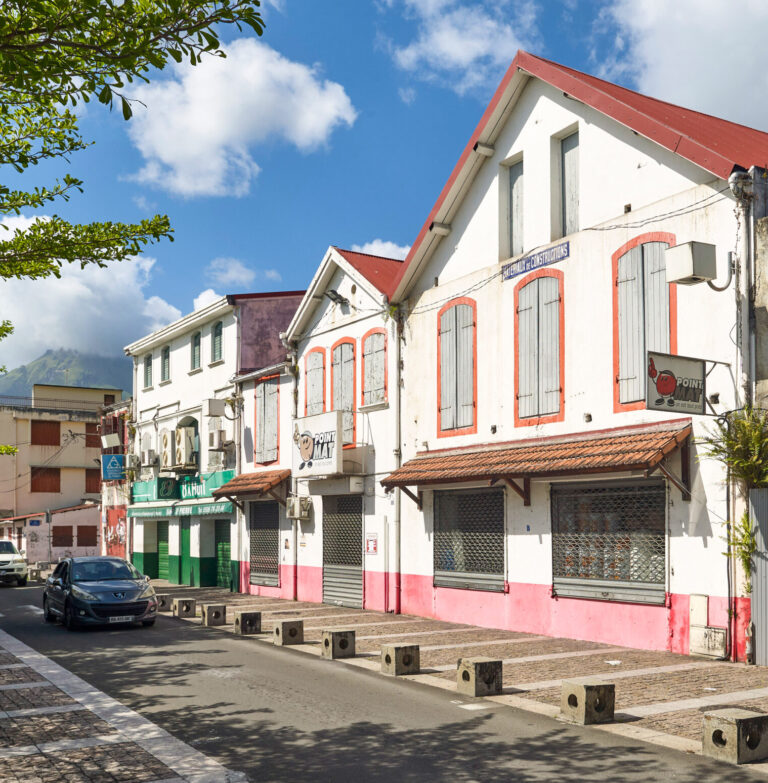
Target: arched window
{"points": [[456, 373], [539, 352], [343, 386], [645, 314], [314, 377], [374, 367]]}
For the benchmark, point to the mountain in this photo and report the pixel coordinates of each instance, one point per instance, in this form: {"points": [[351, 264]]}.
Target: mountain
{"points": [[69, 368]]}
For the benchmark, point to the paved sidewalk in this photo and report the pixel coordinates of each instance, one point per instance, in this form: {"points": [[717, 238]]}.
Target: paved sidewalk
{"points": [[660, 696], [55, 727]]}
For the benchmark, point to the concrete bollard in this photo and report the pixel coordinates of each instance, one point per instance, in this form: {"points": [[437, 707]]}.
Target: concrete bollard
{"points": [[289, 632], [400, 659], [587, 701], [214, 614], [184, 607], [33, 574], [247, 623], [479, 677], [338, 644], [164, 602], [735, 735]]}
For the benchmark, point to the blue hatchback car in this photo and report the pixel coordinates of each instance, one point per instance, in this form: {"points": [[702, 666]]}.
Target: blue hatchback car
{"points": [[98, 591]]}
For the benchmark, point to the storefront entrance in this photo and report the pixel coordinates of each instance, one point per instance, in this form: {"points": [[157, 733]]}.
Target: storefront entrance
{"points": [[162, 550], [186, 558], [222, 548], [343, 550], [264, 534]]}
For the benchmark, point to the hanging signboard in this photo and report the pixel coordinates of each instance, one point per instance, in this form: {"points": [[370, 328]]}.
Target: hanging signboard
{"points": [[113, 467], [317, 446], [675, 384], [533, 261]]}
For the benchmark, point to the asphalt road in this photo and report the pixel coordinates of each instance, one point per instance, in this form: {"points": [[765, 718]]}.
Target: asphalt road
{"points": [[280, 715]]}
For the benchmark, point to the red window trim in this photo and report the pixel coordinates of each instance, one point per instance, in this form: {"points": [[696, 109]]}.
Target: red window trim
{"points": [[256, 420], [354, 386], [531, 421], [473, 427], [375, 330], [306, 382], [641, 239]]}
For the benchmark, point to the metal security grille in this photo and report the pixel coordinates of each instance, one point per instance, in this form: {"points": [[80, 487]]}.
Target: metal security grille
{"points": [[469, 539], [609, 542], [343, 550], [264, 531]]}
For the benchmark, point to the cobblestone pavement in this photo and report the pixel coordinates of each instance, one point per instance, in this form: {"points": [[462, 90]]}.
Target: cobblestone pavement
{"points": [[660, 696], [56, 728]]}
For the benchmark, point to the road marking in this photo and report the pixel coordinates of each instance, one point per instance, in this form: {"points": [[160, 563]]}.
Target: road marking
{"points": [[32, 608], [475, 707]]}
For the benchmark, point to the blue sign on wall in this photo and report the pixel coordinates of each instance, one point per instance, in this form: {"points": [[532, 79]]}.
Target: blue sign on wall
{"points": [[543, 258], [113, 467], [34, 523]]}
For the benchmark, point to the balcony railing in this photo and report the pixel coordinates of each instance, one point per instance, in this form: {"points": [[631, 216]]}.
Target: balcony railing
{"points": [[87, 406]]}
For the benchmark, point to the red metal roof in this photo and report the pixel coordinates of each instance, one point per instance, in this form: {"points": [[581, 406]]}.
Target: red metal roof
{"points": [[382, 272], [714, 144], [640, 447], [252, 483]]}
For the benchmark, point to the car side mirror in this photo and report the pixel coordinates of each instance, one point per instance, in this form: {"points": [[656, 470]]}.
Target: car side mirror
{"points": [[147, 579], [22, 551]]}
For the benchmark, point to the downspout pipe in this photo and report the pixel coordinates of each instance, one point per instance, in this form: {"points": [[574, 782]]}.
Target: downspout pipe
{"points": [[398, 454], [238, 411], [293, 359]]}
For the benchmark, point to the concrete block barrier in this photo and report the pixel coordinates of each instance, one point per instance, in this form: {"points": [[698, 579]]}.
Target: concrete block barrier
{"points": [[289, 632], [164, 602], [479, 677], [397, 659], [735, 735], [587, 701], [184, 607], [214, 614], [338, 644], [247, 623]]}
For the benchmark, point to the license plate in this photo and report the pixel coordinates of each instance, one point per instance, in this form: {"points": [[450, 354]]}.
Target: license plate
{"points": [[121, 619]]}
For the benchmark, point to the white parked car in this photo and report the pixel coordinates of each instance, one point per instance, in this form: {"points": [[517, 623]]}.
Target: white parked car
{"points": [[13, 566]]}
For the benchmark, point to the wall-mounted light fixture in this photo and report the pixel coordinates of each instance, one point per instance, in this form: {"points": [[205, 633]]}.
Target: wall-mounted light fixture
{"points": [[336, 297]]}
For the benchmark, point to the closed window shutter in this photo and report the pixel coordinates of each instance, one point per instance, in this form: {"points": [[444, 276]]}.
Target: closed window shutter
{"points": [[260, 424], [448, 369], [195, 351], [216, 346], [271, 414], [368, 372], [374, 384], [315, 383], [166, 364], [343, 388], [516, 209], [46, 433], [527, 349], [656, 298], [570, 183], [465, 386], [629, 286], [147, 371], [549, 346]]}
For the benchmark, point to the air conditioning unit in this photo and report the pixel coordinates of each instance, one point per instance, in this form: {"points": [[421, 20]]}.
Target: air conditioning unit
{"points": [[691, 263], [132, 461], [185, 445], [168, 445], [217, 440], [298, 507], [214, 407], [149, 458], [216, 460]]}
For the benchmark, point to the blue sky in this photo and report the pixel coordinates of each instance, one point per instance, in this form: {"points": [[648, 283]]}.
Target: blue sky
{"points": [[338, 126]]}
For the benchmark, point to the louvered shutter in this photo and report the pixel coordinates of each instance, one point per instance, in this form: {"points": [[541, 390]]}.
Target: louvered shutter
{"points": [[465, 359], [147, 371], [260, 423], [549, 346], [656, 298], [570, 183], [343, 388], [448, 370], [629, 286], [271, 415], [516, 209], [374, 352], [216, 351], [315, 383], [527, 349]]}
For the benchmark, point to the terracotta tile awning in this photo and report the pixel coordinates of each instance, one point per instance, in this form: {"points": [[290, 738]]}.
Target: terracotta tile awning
{"points": [[252, 483], [640, 447]]}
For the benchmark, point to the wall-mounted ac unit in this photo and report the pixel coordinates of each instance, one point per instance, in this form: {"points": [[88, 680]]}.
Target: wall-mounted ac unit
{"points": [[217, 440], [185, 445], [298, 506], [132, 461], [149, 458], [167, 445], [214, 407], [690, 263]]}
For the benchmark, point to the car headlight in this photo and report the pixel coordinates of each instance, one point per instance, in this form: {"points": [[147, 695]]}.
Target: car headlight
{"points": [[83, 595], [147, 592], [17, 559]]}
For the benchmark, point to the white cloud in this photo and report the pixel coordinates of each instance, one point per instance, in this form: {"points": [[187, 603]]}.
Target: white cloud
{"points": [[465, 46], [407, 95], [229, 272], [273, 275], [200, 125], [701, 55], [93, 310], [204, 298], [382, 247]]}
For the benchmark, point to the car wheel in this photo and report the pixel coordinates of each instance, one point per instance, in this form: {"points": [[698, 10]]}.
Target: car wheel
{"points": [[47, 616], [70, 623], [147, 623], [21, 581]]}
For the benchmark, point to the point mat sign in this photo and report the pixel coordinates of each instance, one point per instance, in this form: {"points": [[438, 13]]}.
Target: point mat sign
{"points": [[317, 445], [675, 384]]}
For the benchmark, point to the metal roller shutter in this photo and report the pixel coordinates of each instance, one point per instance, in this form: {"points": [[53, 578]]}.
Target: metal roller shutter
{"points": [[162, 550], [265, 543], [343, 550]]}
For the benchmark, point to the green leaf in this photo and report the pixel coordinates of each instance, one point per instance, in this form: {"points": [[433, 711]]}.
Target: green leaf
{"points": [[127, 110]]}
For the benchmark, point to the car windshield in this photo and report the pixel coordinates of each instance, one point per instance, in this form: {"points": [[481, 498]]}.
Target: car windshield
{"points": [[7, 548], [103, 570]]}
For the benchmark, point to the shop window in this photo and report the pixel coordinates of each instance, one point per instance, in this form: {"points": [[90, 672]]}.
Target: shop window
{"points": [[92, 480], [644, 314], [45, 480], [314, 374], [264, 533], [539, 337], [148, 371], [515, 218], [109, 399], [267, 419], [92, 439], [165, 364], [194, 351], [374, 367], [469, 539], [86, 535], [609, 542], [343, 386], [216, 342], [45, 433], [456, 376]]}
